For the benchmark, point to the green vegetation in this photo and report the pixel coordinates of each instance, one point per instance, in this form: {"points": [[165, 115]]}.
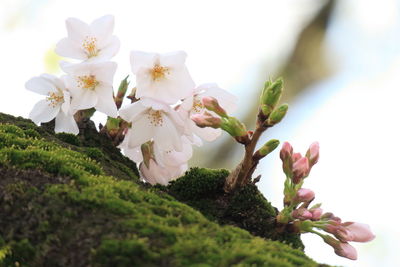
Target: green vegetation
{"points": [[76, 201]]}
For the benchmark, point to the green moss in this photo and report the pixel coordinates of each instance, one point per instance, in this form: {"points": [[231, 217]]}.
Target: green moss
{"points": [[60, 207], [69, 138]]}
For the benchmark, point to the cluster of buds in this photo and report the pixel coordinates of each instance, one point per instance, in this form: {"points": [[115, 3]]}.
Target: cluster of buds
{"points": [[269, 114], [305, 219]]}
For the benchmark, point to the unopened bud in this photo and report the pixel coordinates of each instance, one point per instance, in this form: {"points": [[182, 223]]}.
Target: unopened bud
{"points": [[147, 152], [313, 153], [233, 126], [316, 213], [341, 249], [296, 156], [302, 214], [271, 94], [286, 151], [286, 157], [123, 86], [300, 169], [206, 120], [268, 147], [278, 114], [304, 195], [212, 104]]}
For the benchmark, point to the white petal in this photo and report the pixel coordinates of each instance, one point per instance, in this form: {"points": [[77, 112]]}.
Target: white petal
{"points": [[225, 99], [83, 99], [135, 154], [209, 134], [68, 48], [176, 58], [167, 136], [77, 29], [66, 123], [187, 103], [58, 82], [104, 71], [43, 112], [40, 85], [132, 111], [141, 132], [105, 101], [103, 27], [65, 107], [154, 104], [109, 49], [142, 60], [176, 158]]}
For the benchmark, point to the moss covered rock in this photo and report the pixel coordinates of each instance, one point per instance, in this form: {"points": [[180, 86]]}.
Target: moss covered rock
{"points": [[76, 201]]}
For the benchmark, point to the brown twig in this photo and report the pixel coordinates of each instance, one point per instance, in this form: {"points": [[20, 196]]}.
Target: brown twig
{"points": [[244, 171]]}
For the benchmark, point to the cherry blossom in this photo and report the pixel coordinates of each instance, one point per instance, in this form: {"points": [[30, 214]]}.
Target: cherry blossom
{"points": [[162, 77], [55, 105], [157, 174], [194, 105], [162, 125], [90, 85], [89, 42]]}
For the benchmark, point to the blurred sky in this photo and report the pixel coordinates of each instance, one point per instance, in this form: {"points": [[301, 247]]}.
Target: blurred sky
{"points": [[353, 114]]}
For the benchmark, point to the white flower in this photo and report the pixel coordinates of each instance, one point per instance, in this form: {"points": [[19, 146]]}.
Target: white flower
{"points": [[89, 42], [193, 105], [173, 158], [162, 77], [55, 105], [162, 125], [90, 85], [157, 174]]}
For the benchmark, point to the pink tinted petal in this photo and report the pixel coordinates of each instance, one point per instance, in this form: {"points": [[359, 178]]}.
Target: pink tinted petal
{"points": [[361, 232]]}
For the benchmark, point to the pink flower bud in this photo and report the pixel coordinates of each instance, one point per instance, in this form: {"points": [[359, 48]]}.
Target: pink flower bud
{"points": [[360, 232], [206, 120], [313, 153], [304, 195], [341, 249], [316, 214], [300, 169], [212, 104], [296, 156], [286, 151], [302, 214], [330, 216], [346, 250]]}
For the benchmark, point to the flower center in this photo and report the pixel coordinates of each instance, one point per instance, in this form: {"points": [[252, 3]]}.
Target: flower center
{"points": [[155, 117], [55, 98], [158, 72], [89, 45], [88, 82], [197, 107]]}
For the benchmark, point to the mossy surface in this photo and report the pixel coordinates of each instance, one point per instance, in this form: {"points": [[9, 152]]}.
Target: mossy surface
{"points": [[246, 208], [60, 206]]}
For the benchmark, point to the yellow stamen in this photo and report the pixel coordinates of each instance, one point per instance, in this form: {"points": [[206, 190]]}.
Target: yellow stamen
{"points": [[55, 99], [158, 72], [155, 117], [90, 47], [87, 82], [197, 105]]}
